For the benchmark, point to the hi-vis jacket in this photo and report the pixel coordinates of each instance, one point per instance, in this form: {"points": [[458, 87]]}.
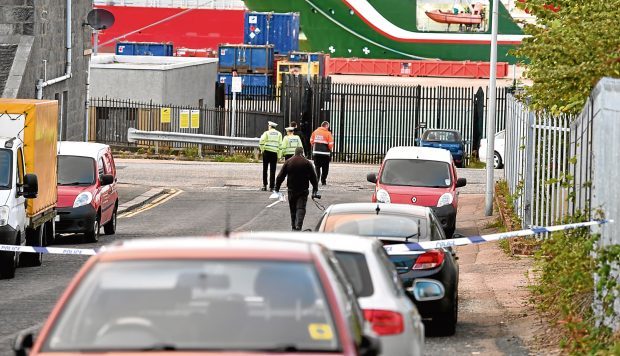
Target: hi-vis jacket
{"points": [[322, 141], [289, 144], [270, 141]]}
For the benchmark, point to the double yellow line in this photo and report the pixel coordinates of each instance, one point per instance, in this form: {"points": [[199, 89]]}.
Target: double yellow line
{"points": [[150, 205]]}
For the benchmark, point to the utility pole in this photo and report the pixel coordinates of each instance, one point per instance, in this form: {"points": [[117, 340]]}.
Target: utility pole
{"points": [[491, 113]]}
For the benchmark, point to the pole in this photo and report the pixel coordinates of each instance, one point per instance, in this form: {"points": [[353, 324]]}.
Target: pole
{"points": [[96, 46], [234, 109], [491, 113]]}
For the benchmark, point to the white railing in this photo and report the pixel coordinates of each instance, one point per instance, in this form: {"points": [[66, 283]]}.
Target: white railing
{"points": [[134, 135]]}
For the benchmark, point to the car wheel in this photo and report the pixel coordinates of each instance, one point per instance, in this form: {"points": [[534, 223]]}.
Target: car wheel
{"points": [[9, 262], [445, 324], [497, 161], [93, 234], [34, 237], [110, 227]]}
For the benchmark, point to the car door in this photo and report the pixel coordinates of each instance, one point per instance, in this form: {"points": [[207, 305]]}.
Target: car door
{"points": [[110, 168], [20, 201], [102, 191]]}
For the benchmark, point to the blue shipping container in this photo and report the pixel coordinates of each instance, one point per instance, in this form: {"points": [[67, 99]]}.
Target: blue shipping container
{"points": [[144, 49], [259, 84], [246, 59], [281, 30]]}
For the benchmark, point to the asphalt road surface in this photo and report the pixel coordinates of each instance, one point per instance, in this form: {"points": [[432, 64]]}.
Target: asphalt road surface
{"points": [[217, 197]]}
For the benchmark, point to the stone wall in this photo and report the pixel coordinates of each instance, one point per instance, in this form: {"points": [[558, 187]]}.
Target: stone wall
{"points": [[45, 21]]}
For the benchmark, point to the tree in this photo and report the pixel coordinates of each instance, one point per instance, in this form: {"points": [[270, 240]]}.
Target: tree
{"points": [[573, 44]]}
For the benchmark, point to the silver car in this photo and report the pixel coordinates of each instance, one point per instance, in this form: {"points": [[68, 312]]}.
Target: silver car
{"points": [[386, 305]]}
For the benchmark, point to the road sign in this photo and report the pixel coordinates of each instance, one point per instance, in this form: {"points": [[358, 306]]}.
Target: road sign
{"points": [[236, 84]]}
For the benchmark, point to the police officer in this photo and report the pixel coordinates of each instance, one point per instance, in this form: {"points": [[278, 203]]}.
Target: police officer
{"points": [[270, 143], [322, 143], [302, 136], [290, 143], [300, 173]]}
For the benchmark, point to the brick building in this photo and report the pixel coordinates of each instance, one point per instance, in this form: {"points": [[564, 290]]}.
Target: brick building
{"points": [[33, 57]]}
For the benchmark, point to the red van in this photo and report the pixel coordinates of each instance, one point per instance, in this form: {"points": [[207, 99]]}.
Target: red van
{"points": [[87, 193], [421, 176]]}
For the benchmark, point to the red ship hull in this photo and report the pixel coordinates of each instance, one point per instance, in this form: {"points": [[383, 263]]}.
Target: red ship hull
{"points": [[189, 28]]}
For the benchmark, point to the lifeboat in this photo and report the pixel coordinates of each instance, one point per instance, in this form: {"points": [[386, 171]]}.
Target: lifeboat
{"points": [[451, 18]]}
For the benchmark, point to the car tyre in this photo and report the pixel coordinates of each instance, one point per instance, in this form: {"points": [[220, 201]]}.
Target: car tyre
{"points": [[110, 227], [93, 234], [445, 325], [497, 161], [9, 262], [34, 237]]}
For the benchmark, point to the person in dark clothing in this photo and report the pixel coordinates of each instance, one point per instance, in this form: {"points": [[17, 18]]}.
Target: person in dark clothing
{"points": [[304, 140], [300, 174]]}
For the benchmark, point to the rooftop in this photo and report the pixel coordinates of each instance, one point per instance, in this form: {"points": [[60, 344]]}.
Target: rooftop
{"points": [[113, 61], [422, 153]]}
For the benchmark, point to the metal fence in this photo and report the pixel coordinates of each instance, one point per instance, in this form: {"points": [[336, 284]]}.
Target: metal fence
{"points": [[536, 158]]}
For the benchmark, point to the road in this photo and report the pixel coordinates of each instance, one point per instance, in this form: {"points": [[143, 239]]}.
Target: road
{"points": [[215, 197]]}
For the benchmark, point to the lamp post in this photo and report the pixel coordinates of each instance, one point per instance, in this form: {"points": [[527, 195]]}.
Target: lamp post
{"points": [[491, 113]]}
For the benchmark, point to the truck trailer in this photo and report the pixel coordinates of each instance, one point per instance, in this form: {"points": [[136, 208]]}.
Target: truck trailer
{"points": [[28, 192]]}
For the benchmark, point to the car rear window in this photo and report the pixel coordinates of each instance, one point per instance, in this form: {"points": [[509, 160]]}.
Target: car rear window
{"points": [[373, 225], [75, 170], [242, 305], [433, 135], [416, 172], [356, 269]]}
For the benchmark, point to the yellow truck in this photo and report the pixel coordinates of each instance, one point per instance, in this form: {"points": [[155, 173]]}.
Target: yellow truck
{"points": [[28, 139]]}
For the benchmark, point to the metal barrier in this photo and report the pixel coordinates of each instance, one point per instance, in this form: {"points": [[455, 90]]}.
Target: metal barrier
{"points": [[134, 135]]}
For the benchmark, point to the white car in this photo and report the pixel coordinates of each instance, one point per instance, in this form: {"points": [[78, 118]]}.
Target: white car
{"points": [[386, 305], [498, 157]]}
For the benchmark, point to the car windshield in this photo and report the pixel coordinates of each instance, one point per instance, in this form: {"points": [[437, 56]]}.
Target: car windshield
{"points": [[416, 172], [74, 170], [371, 224], [438, 135], [251, 305], [6, 159], [356, 269]]}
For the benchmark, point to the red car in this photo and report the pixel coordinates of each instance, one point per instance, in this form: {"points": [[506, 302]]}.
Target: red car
{"points": [[421, 176], [206, 296], [87, 193]]}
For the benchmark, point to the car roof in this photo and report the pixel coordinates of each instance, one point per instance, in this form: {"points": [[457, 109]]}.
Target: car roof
{"points": [[443, 130], [81, 149], [422, 153], [206, 247], [353, 208], [339, 242]]}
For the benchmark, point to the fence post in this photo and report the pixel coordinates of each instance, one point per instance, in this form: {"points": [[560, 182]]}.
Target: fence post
{"points": [[528, 175], [341, 129]]}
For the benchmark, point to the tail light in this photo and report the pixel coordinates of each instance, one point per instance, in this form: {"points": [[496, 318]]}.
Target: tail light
{"points": [[430, 259], [385, 322]]}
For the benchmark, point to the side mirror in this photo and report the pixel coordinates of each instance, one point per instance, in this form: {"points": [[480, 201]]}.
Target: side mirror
{"points": [[424, 290], [456, 235], [371, 177], [106, 179], [461, 182], [370, 346], [30, 188], [23, 343]]}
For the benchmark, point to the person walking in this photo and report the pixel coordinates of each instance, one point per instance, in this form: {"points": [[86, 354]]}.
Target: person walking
{"points": [[300, 174], [290, 143], [322, 143], [270, 143], [304, 139]]}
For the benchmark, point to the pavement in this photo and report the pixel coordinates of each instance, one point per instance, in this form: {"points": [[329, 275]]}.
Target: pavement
{"points": [[131, 196]]}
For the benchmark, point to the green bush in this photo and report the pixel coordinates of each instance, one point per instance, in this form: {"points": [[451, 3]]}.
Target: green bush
{"points": [[191, 152]]}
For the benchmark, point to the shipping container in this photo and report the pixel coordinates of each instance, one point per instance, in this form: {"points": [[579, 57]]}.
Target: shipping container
{"points": [[144, 49], [303, 56], [252, 83], [246, 59], [298, 68], [278, 29]]}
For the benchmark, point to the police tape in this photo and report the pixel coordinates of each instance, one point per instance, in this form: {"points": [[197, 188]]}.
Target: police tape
{"points": [[49, 250], [417, 247]]}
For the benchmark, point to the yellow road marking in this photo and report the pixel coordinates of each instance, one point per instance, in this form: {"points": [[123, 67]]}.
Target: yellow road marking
{"points": [[157, 202]]}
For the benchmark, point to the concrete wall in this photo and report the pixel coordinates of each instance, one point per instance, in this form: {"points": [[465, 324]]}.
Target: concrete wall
{"points": [[164, 80], [39, 27]]}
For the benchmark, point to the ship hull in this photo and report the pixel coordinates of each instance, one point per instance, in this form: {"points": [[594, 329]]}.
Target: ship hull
{"points": [[388, 29]]}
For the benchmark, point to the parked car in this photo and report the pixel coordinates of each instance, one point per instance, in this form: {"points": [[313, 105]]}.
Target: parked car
{"points": [[421, 176], [386, 305], [498, 156], [446, 139], [87, 192], [206, 296], [399, 223]]}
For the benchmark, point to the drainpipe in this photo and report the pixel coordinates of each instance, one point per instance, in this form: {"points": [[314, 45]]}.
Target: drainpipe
{"points": [[41, 83]]}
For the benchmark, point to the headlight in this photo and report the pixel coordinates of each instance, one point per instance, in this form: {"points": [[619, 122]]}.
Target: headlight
{"points": [[383, 196], [82, 199], [4, 215], [445, 199]]}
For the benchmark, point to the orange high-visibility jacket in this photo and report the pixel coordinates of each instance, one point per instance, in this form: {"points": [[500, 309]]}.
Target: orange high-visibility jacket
{"points": [[322, 141]]}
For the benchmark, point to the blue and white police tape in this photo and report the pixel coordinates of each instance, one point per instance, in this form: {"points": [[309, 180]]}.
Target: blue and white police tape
{"points": [[49, 250], [416, 247]]}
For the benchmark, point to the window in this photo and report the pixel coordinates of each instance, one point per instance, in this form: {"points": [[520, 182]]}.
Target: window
{"points": [[416, 172], [100, 167], [6, 168], [356, 269], [20, 166], [436, 230], [74, 170], [382, 225], [452, 15]]}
